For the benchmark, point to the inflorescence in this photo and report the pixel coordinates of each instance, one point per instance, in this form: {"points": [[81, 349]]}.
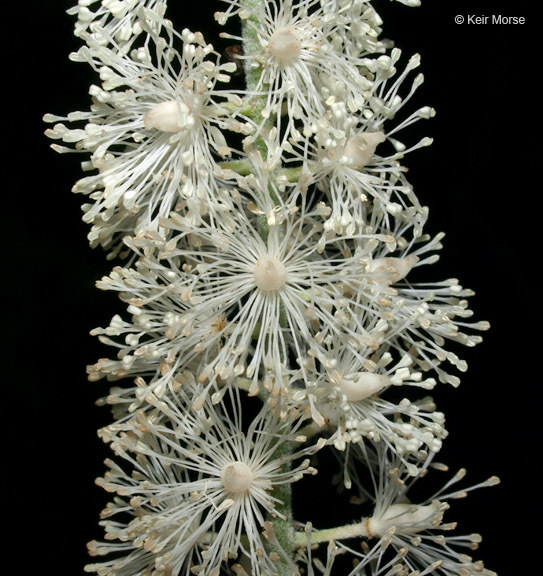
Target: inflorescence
{"points": [[272, 258]]}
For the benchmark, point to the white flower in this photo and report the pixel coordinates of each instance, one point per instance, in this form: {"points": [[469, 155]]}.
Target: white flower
{"points": [[356, 26], [226, 302], [200, 486], [359, 185], [354, 156], [419, 528], [153, 131], [274, 297], [351, 395], [303, 55], [242, 305], [112, 20], [373, 562], [152, 346], [435, 313], [398, 534]]}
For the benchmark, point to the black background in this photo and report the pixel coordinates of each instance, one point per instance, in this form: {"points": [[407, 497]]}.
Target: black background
{"points": [[481, 180]]}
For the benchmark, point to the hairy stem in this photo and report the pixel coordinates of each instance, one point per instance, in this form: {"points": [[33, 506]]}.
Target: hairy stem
{"points": [[328, 534], [253, 67], [245, 167], [282, 525]]}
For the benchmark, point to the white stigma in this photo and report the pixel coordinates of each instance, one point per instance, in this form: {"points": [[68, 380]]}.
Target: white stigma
{"points": [[412, 518], [169, 116], [285, 45], [360, 149], [391, 270], [270, 274], [237, 477], [363, 385]]}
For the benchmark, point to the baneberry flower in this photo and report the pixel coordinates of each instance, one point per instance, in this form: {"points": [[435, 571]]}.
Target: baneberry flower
{"points": [[278, 301]]}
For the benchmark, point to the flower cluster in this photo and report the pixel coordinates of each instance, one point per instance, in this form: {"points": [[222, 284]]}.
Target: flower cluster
{"points": [[271, 253]]}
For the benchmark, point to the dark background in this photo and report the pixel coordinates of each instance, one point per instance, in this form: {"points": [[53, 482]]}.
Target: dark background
{"points": [[480, 179]]}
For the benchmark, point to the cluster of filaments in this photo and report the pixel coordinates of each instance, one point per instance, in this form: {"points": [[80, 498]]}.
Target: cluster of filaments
{"points": [[271, 240]]}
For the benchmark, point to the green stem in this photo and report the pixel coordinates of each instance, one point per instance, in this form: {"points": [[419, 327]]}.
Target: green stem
{"points": [[245, 167], [284, 528], [340, 533], [292, 174], [241, 167], [253, 67], [283, 525]]}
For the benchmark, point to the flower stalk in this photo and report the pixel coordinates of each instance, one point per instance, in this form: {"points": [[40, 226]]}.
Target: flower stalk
{"points": [[252, 51], [265, 241], [252, 48]]}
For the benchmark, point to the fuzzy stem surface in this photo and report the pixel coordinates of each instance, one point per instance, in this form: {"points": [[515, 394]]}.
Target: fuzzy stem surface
{"points": [[283, 528]]}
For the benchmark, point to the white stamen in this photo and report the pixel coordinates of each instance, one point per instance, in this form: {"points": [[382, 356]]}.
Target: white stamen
{"points": [[237, 477], [285, 45], [363, 385], [270, 274]]}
